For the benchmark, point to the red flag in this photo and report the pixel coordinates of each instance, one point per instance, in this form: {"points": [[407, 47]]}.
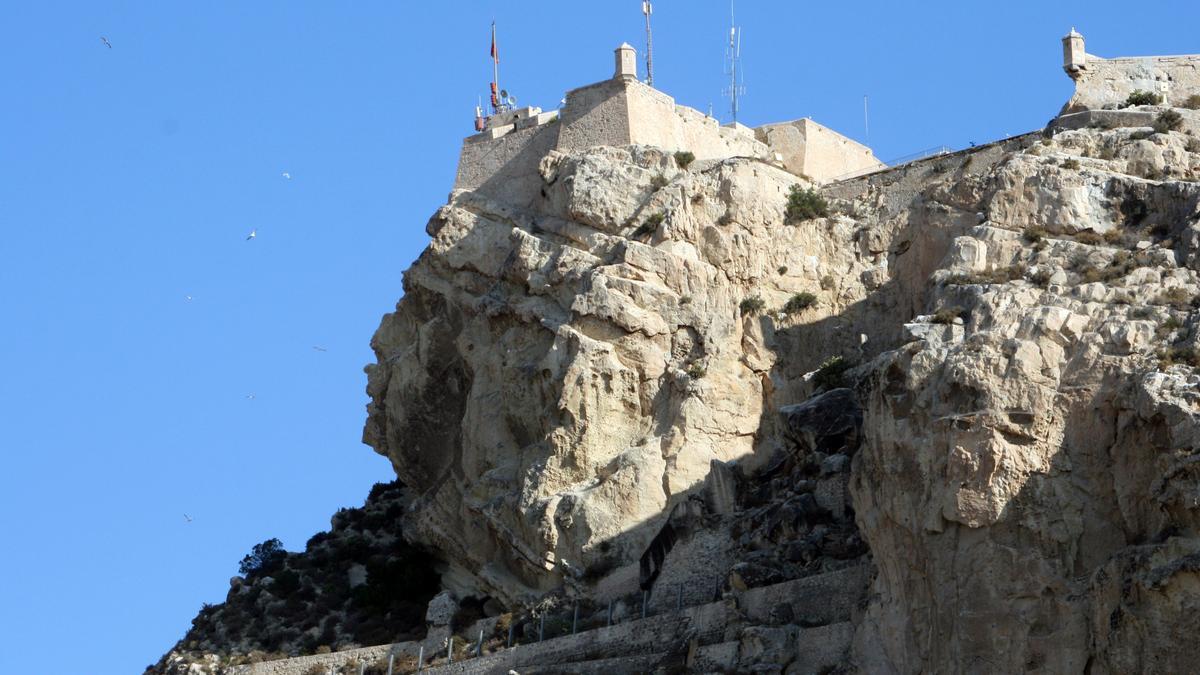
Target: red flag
{"points": [[495, 53]]}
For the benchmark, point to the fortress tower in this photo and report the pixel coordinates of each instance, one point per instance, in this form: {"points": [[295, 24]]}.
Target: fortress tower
{"points": [[626, 61], [1074, 57]]}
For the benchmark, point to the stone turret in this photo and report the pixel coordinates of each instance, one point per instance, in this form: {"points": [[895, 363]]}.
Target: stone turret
{"points": [[626, 62], [1074, 57]]}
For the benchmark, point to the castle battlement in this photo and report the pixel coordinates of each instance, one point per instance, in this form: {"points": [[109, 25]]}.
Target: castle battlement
{"points": [[503, 159]]}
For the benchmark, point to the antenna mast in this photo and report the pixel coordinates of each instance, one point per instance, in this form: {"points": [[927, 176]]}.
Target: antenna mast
{"points": [[734, 64], [648, 10], [866, 119]]}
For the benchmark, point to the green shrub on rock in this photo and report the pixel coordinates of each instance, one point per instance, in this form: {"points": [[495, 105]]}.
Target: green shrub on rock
{"points": [[947, 315], [263, 559], [805, 204], [1139, 97], [799, 302], [1168, 120], [831, 374], [752, 305]]}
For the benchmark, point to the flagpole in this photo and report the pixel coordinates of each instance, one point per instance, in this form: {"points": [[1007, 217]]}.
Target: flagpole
{"points": [[495, 72]]}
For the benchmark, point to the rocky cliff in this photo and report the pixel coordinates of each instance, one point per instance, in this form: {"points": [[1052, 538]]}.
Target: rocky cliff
{"points": [[980, 367], [557, 378]]}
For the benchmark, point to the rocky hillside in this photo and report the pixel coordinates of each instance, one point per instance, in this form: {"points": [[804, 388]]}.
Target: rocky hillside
{"points": [[977, 370], [359, 583]]}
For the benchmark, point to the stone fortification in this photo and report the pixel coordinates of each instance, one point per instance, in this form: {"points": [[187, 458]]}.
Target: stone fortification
{"points": [[1101, 83], [502, 161], [810, 149]]}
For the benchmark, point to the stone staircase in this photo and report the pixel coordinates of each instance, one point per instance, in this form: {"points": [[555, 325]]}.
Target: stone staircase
{"points": [[798, 626]]}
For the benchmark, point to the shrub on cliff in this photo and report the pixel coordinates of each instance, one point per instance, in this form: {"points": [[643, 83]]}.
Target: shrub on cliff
{"points": [[1192, 102], [752, 305], [263, 559], [1177, 354], [805, 204], [831, 374], [649, 226], [683, 158], [286, 583], [947, 315], [1139, 97], [799, 302], [1168, 120]]}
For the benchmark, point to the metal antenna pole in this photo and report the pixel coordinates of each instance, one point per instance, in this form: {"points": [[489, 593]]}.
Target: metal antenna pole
{"points": [[648, 10], [734, 56], [866, 119]]}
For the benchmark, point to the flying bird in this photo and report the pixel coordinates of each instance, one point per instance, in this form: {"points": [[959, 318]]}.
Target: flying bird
{"points": [[189, 298], [320, 349], [250, 396], [187, 517], [106, 42], [287, 175], [253, 234]]}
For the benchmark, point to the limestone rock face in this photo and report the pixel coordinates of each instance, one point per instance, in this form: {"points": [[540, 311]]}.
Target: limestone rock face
{"points": [[1023, 467], [556, 378], [1025, 483]]}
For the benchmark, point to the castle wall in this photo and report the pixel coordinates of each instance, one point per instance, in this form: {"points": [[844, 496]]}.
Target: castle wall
{"points": [[506, 167], [707, 139], [1103, 82], [810, 149], [595, 115]]}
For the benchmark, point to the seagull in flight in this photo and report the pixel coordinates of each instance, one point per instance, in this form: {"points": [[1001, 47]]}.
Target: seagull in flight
{"points": [[187, 517], [287, 175], [320, 349], [189, 298], [250, 396], [253, 234], [106, 42]]}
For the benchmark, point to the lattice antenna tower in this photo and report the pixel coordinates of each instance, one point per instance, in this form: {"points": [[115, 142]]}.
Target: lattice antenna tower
{"points": [[733, 65]]}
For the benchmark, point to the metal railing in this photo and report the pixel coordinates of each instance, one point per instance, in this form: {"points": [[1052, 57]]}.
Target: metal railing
{"points": [[936, 151], [554, 624]]}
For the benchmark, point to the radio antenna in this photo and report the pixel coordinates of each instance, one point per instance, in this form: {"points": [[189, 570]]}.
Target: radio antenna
{"points": [[733, 59], [866, 119], [648, 10]]}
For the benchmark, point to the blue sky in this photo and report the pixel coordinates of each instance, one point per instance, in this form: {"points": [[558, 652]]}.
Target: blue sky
{"points": [[130, 177]]}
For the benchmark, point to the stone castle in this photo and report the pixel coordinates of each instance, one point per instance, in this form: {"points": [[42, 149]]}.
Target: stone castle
{"points": [[503, 159], [621, 111]]}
